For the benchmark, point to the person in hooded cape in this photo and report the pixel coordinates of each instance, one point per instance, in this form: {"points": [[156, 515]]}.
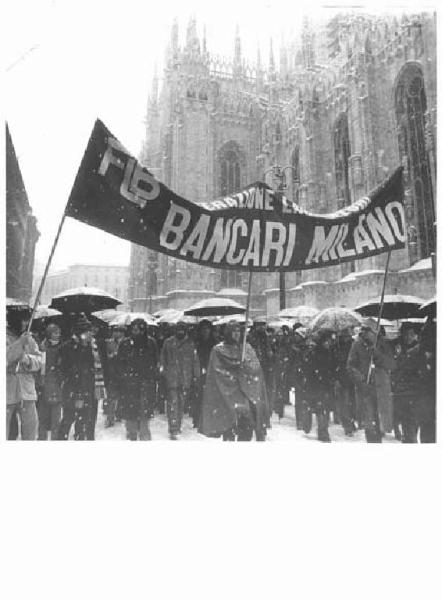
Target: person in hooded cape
{"points": [[234, 401]]}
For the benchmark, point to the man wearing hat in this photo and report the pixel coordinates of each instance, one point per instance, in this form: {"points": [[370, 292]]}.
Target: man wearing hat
{"points": [[78, 373], [364, 357]]}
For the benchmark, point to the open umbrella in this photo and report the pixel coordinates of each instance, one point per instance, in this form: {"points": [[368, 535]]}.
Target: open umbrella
{"points": [[396, 306], [83, 299], [336, 318], [303, 314], [215, 307], [126, 318], [428, 308]]}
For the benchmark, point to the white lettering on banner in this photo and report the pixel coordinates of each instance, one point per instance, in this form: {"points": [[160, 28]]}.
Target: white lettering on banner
{"points": [[361, 237], [398, 228], [231, 259], [109, 158], [321, 244], [175, 229], [342, 252], [290, 244], [195, 242], [259, 199], [219, 240], [127, 176], [253, 249], [268, 201], [275, 245], [133, 174], [379, 226], [141, 175]]}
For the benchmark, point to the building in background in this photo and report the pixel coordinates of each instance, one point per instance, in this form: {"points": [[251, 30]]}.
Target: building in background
{"points": [[21, 229], [112, 279], [346, 103]]}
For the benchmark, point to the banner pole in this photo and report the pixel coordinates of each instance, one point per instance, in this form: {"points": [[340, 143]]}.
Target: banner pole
{"points": [[247, 317], [48, 264], [379, 315]]}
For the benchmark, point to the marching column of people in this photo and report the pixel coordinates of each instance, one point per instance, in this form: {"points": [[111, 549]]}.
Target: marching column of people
{"points": [[135, 372]]}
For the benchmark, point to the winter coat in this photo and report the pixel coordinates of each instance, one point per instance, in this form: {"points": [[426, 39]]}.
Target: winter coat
{"points": [[298, 355], [358, 364], [20, 385], [321, 375], [230, 387], [52, 378], [260, 342], [137, 368], [179, 362], [78, 371]]}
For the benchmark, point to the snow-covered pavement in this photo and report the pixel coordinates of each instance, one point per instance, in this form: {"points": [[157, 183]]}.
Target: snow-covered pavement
{"points": [[283, 430]]}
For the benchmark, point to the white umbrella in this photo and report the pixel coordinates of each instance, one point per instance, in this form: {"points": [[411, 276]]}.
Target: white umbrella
{"points": [[174, 316], [126, 318]]}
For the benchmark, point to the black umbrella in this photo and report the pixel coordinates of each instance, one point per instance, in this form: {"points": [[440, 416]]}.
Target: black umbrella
{"points": [[83, 299], [396, 306], [215, 307], [428, 308]]}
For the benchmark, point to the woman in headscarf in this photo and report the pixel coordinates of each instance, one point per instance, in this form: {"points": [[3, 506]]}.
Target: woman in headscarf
{"points": [[234, 402]]}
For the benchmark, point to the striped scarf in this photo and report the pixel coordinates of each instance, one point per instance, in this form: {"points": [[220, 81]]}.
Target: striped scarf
{"points": [[100, 391]]}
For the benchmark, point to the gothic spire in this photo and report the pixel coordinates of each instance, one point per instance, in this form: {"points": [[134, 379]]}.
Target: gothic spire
{"points": [[174, 36], [192, 40], [237, 46], [271, 59]]}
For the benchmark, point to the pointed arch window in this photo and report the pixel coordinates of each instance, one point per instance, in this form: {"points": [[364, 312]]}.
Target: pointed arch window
{"points": [[229, 184], [410, 108], [296, 175], [342, 154], [230, 173]]}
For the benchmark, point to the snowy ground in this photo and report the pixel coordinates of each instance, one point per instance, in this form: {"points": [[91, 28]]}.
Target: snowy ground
{"points": [[283, 430]]}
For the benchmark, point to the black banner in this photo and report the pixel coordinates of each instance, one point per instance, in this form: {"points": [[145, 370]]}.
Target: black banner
{"points": [[257, 229]]}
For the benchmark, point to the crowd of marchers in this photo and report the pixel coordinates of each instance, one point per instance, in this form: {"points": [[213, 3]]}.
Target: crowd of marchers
{"points": [[58, 380]]}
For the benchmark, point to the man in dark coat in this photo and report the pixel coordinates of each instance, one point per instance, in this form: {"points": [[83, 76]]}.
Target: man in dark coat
{"points": [[281, 372], [179, 364], [260, 342], [112, 404], [137, 366], [296, 374], [78, 372], [362, 352], [415, 362], [321, 375], [345, 392], [204, 342], [234, 403]]}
